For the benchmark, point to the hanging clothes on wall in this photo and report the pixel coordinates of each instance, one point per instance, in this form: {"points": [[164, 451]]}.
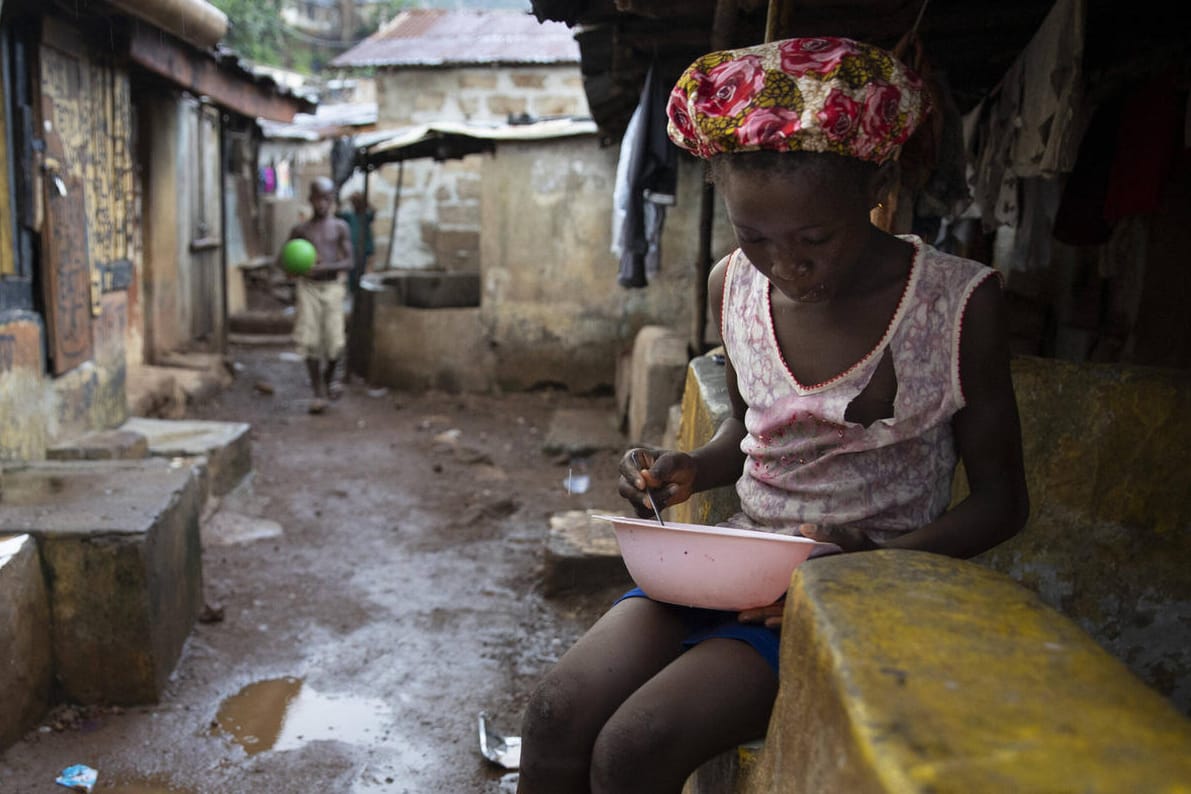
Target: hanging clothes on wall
{"points": [[1031, 124], [343, 160], [1147, 144], [285, 188], [646, 179]]}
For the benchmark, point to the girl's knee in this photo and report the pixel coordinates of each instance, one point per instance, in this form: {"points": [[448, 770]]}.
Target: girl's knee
{"points": [[631, 751], [555, 705]]}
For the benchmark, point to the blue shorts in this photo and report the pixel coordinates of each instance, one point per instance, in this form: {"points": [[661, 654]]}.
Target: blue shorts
{"points": [[705, 624]]}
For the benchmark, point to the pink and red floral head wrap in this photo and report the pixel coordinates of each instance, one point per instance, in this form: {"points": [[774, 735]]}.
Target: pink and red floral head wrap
{"points": [[812, 94]]}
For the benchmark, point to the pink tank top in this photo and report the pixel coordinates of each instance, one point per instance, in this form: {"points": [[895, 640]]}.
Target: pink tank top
{"points": [[806, 462]]}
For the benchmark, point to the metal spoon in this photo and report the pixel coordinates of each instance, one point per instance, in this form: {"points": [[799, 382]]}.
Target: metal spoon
{"points": [[653, 502]]}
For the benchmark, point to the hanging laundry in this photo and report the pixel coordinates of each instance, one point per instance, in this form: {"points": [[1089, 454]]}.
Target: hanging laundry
{"points": [[1080, 217], [647, 175], [1147, 144], [285, 188], [1030, 125]]}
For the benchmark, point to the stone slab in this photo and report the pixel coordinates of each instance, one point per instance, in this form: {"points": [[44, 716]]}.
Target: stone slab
{"points": [[658, 370], [120, 548], [912, 672], [102, 445], [577, 432], [581, 555], [226, 446], [26, 653]]}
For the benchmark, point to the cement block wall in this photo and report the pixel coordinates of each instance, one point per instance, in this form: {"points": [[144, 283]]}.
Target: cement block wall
{"points": [[26, 654], [438, 219], [121, 556], [551, 304]]}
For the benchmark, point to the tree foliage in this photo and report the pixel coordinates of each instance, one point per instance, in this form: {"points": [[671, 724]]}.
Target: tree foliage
{"points": [[255, 31]]}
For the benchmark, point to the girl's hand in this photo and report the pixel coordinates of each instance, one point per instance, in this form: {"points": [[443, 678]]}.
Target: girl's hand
{"points": [[847, 538], [771, 615], [669, 475]]}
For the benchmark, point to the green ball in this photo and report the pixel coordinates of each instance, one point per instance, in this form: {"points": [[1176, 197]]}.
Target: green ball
{"points": [[298, 256]]}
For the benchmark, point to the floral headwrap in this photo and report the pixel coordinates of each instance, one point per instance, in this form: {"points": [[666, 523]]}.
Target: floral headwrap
{"points": [[812, 94]]}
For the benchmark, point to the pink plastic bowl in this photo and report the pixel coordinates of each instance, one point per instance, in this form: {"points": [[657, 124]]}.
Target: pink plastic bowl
{"points": [[711, 567]]}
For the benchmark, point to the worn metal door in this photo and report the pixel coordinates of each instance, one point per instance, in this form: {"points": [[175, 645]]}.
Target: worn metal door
{"points": [[206, 227], [66, 266]]}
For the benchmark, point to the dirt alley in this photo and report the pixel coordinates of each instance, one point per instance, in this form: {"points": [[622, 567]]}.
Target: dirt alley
{"points": [[401, 600]]}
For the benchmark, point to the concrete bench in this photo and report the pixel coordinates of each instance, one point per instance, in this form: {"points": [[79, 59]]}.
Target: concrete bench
{"points": [[911, 672], [26, 657], [1105, 547], [118, 547]]}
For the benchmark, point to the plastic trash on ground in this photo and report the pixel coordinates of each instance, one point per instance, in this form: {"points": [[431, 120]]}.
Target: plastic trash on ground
{"points": [[577, 483], [82, 778], [502, 750]]}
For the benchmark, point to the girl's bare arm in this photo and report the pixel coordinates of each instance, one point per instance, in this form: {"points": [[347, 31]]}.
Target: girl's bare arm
{"points": [[988, 437]]}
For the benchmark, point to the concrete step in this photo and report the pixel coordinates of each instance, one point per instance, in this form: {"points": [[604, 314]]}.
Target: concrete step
{"points": [[226, 446], [102, 445], [581, 555], [120, 551], [578, 432], [26, 661], [271, 323], [165, 391]]}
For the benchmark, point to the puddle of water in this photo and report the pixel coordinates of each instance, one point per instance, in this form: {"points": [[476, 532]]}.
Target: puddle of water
{"points": [[283, 714]]}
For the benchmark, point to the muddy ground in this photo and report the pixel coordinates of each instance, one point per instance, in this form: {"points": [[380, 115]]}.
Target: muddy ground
{"points": [[401, 598]]}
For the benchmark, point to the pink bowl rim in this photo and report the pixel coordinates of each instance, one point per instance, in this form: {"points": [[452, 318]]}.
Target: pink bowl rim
{"points": [[705, 529]]}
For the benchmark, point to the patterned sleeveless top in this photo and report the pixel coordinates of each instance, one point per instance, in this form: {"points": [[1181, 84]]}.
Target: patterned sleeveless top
{"points": [[805, 462]]}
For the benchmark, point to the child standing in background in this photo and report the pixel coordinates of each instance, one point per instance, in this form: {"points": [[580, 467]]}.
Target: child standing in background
{"points": [[318, 331]]}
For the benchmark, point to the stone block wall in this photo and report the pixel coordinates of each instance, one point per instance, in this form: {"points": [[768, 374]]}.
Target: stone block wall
{"points": [[551, 304], [26, 653], [438, 217]]}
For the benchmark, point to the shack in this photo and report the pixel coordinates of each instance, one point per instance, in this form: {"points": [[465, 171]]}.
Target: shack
{"points": [[125, 129], [492, 173]]}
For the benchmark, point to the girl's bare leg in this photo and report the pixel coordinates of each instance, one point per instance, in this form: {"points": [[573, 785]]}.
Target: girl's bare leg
{"points": [[568, 709], [715, 696]]}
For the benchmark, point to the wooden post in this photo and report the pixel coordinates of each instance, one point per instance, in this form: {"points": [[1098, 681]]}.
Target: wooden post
{"points": [[722, 28]]}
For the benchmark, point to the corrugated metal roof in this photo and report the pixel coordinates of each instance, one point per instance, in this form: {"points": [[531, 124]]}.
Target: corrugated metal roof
{"points": [[328, 121], [452, 139], [437, 37]]}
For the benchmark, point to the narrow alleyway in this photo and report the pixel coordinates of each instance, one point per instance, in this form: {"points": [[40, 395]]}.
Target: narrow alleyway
{"points": [[399, 600]]}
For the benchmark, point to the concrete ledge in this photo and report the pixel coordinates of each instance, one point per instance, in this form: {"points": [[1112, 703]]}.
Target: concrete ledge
{"points": [[579, 432], [120, 548], [911, 672], [226, 446], [1109, 535], [704, 406], [581, 555], [102, 445], [658, 368], [26, 655]]}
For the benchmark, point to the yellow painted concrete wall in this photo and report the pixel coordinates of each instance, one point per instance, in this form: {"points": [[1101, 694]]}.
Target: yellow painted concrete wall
{"points": [[37, 410], [911, 672]]}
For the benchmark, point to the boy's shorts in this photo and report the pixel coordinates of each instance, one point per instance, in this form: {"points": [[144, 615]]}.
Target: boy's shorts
{"points": [[318, 328], [706, 624]]}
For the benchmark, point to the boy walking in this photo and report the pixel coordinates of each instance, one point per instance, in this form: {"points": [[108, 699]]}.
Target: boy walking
{"points": [[319, 332]]}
